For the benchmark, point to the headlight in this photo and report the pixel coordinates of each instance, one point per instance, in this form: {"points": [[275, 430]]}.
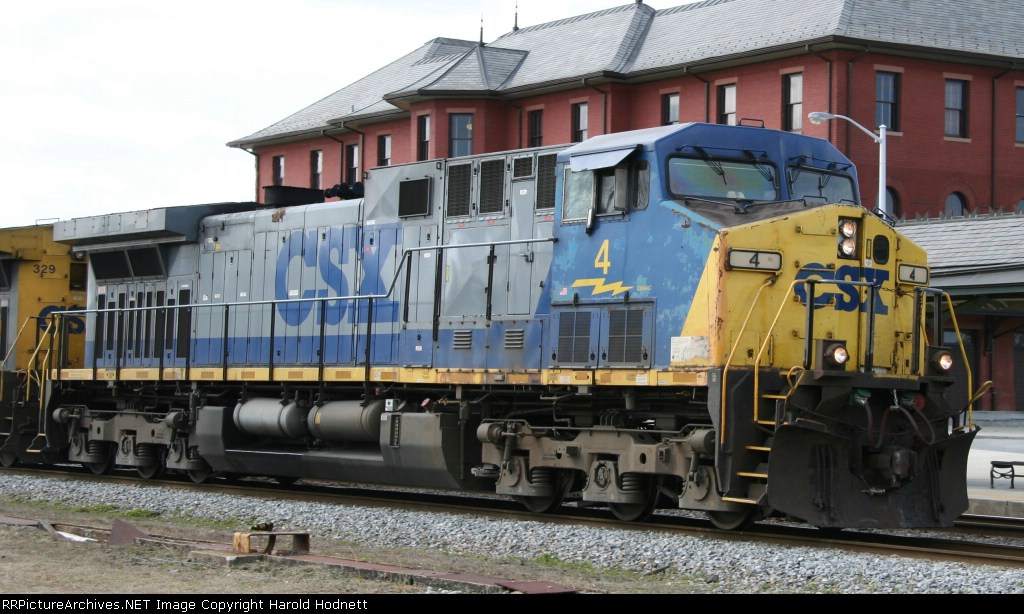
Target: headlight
{"points": [[837, 355], [848, 248], [848, 228], [847, 238], [942, 360]]}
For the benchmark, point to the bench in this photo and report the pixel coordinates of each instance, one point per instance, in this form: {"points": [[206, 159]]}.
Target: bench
{"points": [[1003, 469]]}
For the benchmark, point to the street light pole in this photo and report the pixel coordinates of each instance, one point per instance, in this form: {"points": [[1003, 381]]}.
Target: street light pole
{"points": [[817, 117]]}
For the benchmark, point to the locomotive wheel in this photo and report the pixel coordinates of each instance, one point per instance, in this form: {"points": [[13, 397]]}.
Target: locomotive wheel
{"points": [[550, 503], [8, 459], [541, 505], [104, 466], [158, 454], [732, 521], [629, 512], [198, 476], [151, 471]]}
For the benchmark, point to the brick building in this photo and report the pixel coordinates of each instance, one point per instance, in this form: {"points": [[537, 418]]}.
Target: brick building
{"points": [[946, 77]]}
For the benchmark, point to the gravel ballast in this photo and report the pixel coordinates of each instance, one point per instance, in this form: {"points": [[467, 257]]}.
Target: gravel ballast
{"points": [[726, 565]]}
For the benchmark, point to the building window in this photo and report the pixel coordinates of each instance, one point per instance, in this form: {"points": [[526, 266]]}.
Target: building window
{"points": [[316, 169], [460, 134], [423, 137], [1020, 206], [887, 100], [351, 164], [727, 104], [278, 170], [793, 102], [535, 121], [956, 205], [384, 150], [956, 108], [669, 109], [892, 204], [1020, 114], [579, 122]]}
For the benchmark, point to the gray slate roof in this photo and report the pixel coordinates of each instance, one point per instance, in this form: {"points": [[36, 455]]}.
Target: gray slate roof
{"points": [[365, 97], [636, 40], [973, 245]]}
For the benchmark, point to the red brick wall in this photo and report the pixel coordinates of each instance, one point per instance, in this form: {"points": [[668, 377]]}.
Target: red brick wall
{"points": [[923, 167]]}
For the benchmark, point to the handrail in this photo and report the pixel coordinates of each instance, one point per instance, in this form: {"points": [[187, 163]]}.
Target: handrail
{"points": [[963, 354], [404, 264], [767, 339], [14, 345], [39, 377], [919, 348], [764, 345], [917, 368], [728, 361], [315, 299]]}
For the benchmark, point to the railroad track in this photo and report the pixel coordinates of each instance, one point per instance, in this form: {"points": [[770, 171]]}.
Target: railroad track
{"points": [[971, 541]]}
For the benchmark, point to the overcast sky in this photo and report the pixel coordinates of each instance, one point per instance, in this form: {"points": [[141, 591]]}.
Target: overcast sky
{"points": [[120, 105]]}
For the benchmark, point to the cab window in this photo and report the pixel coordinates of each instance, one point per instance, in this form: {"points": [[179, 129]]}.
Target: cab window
{"points": [[721, 178], [606, 191]]}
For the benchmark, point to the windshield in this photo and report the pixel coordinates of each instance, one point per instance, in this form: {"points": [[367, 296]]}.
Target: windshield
{"points": [[714, 178], [811, 183]]}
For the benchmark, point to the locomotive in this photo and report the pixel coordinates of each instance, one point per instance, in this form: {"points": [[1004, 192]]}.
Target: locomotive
{"points": [[38, 277], [692, 316]]}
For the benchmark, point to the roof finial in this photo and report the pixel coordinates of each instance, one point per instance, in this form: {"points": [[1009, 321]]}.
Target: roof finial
{"points": [[515, 23], [481, 29]]}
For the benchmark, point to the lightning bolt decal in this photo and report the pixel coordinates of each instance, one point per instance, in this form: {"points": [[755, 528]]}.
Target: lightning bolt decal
{"points": [[600, 287]]}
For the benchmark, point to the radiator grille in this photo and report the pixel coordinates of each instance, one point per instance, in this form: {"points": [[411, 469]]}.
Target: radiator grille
{"points": [[492, 186], [522, 167], [546, 181], [625, 336], [458, 190], [574, 337]]}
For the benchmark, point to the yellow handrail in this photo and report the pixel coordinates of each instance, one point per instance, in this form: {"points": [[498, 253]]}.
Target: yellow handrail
{"points": [[972, 396], [768, 337], [732, 352], [764, 346], [40, 376], [963, 354]]}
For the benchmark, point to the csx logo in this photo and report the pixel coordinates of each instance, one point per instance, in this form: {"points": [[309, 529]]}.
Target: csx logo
{"points": [[846, 296], [328, 260], [75, 325]]}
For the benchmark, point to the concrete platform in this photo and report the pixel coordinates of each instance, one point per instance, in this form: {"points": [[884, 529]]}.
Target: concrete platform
{"points": [[1001, 438]]}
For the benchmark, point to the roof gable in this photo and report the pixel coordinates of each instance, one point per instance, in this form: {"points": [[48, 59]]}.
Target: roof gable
{"points": [[635, 40], [484, 69], [567, 49]]}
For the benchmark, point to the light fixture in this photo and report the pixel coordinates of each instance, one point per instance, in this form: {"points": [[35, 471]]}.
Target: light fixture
{"points": [[847, 228], [847, 238], [819, 117], [837, 355], [942, 360]]}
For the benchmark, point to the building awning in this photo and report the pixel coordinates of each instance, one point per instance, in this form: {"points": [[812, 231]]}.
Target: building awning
{"points": [[600, 159]]}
